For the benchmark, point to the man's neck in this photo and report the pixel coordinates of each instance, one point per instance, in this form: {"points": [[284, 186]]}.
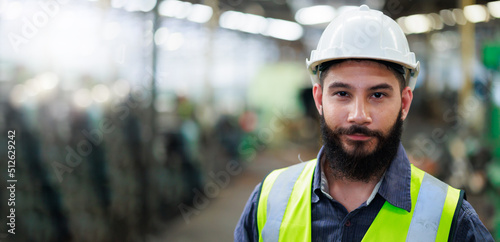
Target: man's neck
{"points": [[351, 194]]}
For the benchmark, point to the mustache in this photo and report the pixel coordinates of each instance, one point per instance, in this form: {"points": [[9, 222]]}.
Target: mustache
{"points": [[358, 129]]}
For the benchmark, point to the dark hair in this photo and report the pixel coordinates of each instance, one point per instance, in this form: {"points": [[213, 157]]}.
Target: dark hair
{"points": [[396, 69]]}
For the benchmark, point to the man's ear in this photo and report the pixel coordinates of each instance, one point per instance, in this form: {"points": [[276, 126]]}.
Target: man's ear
{"points": [[406, 98], [318, 97]]}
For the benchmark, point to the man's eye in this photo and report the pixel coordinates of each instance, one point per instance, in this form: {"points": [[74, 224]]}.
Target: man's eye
{"points": [[341, 93], [378, 95]]}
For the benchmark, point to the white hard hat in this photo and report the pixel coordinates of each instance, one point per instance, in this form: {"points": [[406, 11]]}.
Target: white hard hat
{"points": [[363, 33]]}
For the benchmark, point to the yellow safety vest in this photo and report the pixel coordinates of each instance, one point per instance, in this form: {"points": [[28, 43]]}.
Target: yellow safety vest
{"points": [[284, 208]]}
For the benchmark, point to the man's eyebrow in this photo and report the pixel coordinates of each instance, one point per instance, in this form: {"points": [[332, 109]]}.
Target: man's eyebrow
{"points": [[339, 85], [381, 86]]}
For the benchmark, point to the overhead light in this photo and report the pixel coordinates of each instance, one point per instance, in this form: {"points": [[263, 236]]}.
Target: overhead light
{"points": [[315, 15], [283, 29], [197, 13], [134, 5], [245, 22], [200, 13], [458, 15], [437, 23], [418, 23], [476, 13], [256, 24], [231, 20], [175, 9], [494, 8], [147, 5], [447, 17]]}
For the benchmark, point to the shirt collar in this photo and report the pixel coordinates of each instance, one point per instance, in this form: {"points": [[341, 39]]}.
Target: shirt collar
{"points": [[394, 186]]}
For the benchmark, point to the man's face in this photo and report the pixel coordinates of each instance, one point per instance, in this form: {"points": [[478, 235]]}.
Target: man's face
{"points": [[361, 103]]}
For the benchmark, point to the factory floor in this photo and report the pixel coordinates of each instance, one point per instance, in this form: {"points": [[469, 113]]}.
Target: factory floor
{"points": [[216, 221]]}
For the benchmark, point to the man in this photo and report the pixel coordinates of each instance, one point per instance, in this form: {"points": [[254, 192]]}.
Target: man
{"points": [[361, 186]]}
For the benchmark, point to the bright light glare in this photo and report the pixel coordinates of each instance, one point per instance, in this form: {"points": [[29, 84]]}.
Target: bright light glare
{"points": [[100, 93], [3, 6], [13, 10], [111, 30], [82, 98], [494, 8], [283, 29], [161, 36], [121, 88], [476, 13], [174, 41], [48, 80], [315, 15], [417, 23], [18, 95], [200, 13], [174, 8], [76, 36]]}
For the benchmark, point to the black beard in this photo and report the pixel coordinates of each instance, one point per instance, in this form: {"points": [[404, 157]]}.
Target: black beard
{"points": [[360, 165]]}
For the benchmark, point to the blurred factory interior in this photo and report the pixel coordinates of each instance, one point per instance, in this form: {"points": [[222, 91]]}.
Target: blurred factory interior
{"points": [[131, 114]]}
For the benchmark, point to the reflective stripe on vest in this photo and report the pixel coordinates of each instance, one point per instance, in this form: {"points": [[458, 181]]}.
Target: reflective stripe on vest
{"points": [[285, 202], [284, 210]]}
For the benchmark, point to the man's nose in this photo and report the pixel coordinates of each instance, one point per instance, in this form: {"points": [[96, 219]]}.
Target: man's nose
{"points": [[359, 113]]}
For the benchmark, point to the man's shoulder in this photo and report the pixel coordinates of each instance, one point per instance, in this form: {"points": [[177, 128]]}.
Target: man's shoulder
{"points": [[467, 212], [469, 226]]}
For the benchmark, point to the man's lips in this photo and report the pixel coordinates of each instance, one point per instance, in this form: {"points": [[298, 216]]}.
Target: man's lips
{"points": [[358, 137]]}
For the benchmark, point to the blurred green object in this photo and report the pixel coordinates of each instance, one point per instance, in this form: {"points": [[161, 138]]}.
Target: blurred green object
{"points": [[495, 130], [491, 56], [275, 89], [494, 173]]}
